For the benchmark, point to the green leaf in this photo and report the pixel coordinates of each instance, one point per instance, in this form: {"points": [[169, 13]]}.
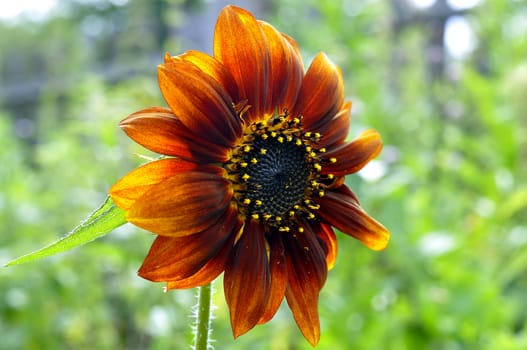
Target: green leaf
{"points": [[99, 223]]}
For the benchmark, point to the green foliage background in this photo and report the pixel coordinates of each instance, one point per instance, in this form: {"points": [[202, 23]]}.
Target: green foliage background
{"points": [[453, 191]]}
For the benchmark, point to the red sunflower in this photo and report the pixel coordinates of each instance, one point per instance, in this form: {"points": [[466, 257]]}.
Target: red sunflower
{"points": [[253, 178]]}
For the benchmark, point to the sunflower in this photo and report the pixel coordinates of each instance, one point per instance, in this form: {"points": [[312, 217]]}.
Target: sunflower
{"points": [[252, 179]]}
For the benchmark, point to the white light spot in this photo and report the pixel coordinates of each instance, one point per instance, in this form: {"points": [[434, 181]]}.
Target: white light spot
{"points": [[460, 39], [436, 243], [373, 171], [423, 4]]}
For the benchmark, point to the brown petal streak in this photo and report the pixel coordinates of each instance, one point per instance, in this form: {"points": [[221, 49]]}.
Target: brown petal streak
{"points": [[209, 271], [326, 233], [176, 258], [247, 58], [181, 205], [278, 271], [344, 212], [286, 71], [247, 280], [307, 271], [353, 156], [199, 101], [336, 130], [159, 130], [139, 181], [321, 95], [215, 69]]}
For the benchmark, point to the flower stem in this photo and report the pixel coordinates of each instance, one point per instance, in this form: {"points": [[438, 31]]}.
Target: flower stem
{"points": [[203, 318]]}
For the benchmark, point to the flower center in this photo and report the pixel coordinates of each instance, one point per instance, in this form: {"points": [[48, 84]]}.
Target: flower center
{"points": [[275, 172]]}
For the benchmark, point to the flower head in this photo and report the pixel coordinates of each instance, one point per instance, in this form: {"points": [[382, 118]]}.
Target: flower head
{"points": [[253, 178]]}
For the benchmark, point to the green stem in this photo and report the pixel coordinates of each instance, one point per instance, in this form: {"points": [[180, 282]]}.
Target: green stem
{"points": [[203, 318]]}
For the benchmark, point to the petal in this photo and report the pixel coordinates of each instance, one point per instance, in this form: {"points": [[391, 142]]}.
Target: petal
{"points": [[321, 95], [286, 71], [240, 45], [307, 271], [327, 235], [336, 130], [183, 204], [278, 271], [344, 212], [352, 156], [176, 258], [247, 280], [159, 130], [199, 101], [139, 181], [215, 69], [210, 271]]}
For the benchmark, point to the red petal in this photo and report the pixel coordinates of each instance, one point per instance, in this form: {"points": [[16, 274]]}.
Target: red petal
{"points": [[336, 130], [307, 271], [210, 270], [321, 95], [278, 276], [215, 69], [247, 280], [176, 258], [132, 186], [199, 101], [240, 45], [159, 130], [352, 156], [286, 71], [344, 212], [181, 205]]}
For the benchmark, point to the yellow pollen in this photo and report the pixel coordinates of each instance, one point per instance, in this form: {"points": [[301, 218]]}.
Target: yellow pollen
{"points": [[312, 154], [247, 148], [267, 216], [254, 160], [246, 201], [333, 160], [263, 151], [245, 177], [289, 138], [298, 142], [265, 136], [308, 134], [243, 164], [273, 134], [321, 193], [317, 167], [322, 150], [300, 229], [278, 219], [308, 148], [331, 176], [258, 202], [311, 216], [283, 229], [255, 216], [280, 139]]}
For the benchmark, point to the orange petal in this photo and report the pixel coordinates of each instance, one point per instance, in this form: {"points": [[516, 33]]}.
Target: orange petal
{"points": [[352, 156], [181, 205], [215, 69], [176, 258], [321, 95], [199, 101], [307, 271], [326, 233], [278, 271], [240, 45], [336, 130], [136, 183], [286, 71], [210, 270], [344, 212], [247, 280], [159, 130]]}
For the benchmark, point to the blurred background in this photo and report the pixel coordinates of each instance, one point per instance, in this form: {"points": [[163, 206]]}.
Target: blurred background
{"points": [[445, 83]]}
